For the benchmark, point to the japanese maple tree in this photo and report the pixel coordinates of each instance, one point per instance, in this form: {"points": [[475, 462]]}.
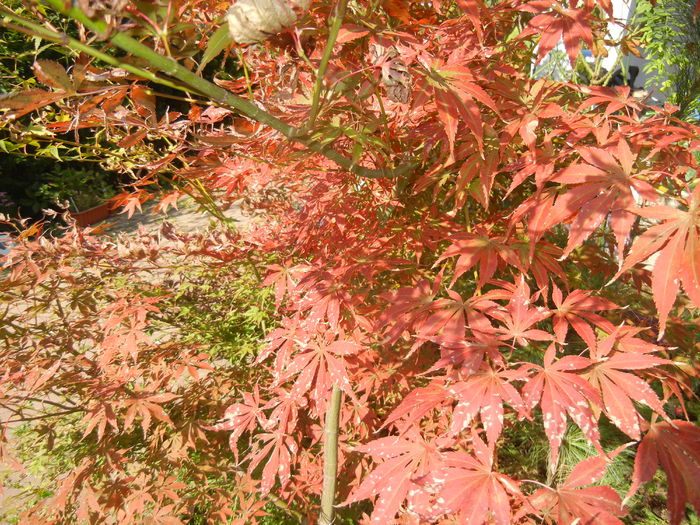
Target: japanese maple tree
{"points": [[457, 254]]}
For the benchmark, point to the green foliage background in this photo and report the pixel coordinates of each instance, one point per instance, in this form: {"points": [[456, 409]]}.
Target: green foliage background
{"points": [[671, 40]]}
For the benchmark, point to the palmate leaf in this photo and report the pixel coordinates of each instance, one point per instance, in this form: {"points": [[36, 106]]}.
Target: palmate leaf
{"points": [[574, 502], [578, 311], [319, 366], [417, 404], [147, 407], [452, 315], [480, 248], [406, 306], [616, 98], [484, 393], [285, 278], [603, 185], [540, 259], [617, 386], [415, 310], [325, 299], [562, 22], [404, 460], [470, 488], [675, 446], [519, 318], [241, 417], [468, 354], [560, 391], [277, 450], [677, 239], [456, 93], [477, 173]]}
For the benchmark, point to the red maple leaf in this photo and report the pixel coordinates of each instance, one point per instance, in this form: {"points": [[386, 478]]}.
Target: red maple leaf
{"points": [[604, 184], [241, 417], [578, 311], [560, 391], [484, 393], [277, 450], [147, 407], [403, 462], [319, 365], [452, 315], [574, 502], [519, 318], [559, 22], [468, 354], [616, 98], [326, 298], [471, 488], [675, 445], [479, 248], [284, 340], [618, 389], [540, 259], [456, 94], [417, 404], [406, 306], [130, 202], [285, 279], [678, 240]]}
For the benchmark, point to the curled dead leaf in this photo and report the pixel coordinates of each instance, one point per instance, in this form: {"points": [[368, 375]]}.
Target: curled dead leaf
{"points": [[395, 75], [53, 75], [251, 21]]}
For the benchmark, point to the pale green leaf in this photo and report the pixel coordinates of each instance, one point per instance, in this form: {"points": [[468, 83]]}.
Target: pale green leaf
{"points": [[217, 43]]}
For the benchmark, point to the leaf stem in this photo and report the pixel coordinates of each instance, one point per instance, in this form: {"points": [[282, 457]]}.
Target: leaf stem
{"points": [[244, 66], [281, 504]]}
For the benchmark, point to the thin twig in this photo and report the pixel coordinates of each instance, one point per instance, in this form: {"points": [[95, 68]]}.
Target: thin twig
{"points": [[43, 416]]}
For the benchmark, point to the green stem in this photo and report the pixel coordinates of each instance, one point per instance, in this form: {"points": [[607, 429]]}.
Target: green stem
{"points": [[245, 73], [609, 74], [279, 503], [217, 94], [336, 22], [203, 198], [330, 458], [29, 27]]}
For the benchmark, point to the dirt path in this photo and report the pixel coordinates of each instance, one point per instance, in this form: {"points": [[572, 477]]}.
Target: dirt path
{"points": [[187, 218]]}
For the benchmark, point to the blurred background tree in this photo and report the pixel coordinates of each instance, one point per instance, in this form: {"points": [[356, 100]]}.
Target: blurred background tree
{"points": [[670, 36]]}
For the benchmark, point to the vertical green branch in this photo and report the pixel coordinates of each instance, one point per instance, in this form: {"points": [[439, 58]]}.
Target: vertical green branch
{"points": [[336, 22], [330, 458]]}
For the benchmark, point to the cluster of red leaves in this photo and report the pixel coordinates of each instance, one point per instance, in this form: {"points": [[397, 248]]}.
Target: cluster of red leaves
{"points": [[90, 358], [440, 302]]}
